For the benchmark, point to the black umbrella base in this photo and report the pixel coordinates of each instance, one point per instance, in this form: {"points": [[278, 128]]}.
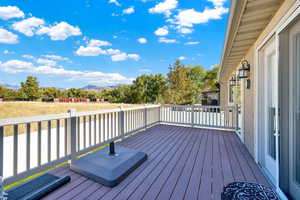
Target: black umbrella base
{"points": [[109, 169]]}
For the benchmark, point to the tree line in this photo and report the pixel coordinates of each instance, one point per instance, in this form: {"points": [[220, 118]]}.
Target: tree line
{"points": [[182, 85]]}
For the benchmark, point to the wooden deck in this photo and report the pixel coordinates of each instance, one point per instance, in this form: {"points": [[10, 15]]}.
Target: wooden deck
{"points": [[184, 163]]}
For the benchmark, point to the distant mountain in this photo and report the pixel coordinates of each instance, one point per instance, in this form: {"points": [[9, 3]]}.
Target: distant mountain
{"points": [[96, 88], [11, 87]]}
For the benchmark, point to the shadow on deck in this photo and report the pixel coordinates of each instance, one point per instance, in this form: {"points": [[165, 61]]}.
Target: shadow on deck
{"points": [[183, 163]]}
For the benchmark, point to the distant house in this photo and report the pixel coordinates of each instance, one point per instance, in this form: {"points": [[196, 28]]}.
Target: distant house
{"points": [[210, 97], [261, 55]]}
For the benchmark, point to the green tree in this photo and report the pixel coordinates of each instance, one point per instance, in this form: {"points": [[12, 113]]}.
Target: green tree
{"points": [[30, 88], [75, 93], [197, 75], [51, 92], [179, 87], [147, 88], [3, 92], [92, 95], [121, 94], [211, 78]]}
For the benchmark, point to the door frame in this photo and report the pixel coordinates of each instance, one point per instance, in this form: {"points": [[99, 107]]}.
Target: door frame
{"points": [[267, 51], [263, 159]]}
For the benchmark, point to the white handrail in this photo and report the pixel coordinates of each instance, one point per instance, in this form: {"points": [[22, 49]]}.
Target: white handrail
{"points": [[37, 118]]}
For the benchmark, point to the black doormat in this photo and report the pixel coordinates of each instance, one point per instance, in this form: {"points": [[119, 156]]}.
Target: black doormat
{"points": [[37, 188]]}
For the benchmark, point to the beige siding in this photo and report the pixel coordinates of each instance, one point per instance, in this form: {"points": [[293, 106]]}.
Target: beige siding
{"points": [[249, 94], [224, 94], [249, 106]]}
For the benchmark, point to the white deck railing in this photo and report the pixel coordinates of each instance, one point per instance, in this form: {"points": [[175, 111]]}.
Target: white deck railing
{"points": [[224, 117], [32, 144]]}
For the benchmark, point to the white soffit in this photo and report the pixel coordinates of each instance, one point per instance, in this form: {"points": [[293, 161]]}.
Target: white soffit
{"points": [[249, 19]]}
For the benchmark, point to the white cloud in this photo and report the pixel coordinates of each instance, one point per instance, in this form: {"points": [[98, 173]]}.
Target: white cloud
{"points": [[164, 7], [124, 56], [7, 37], [60, 31], [114, 2], [182, 58], [217, 2], [190, 17], [119, 57], [90, 51], [8, 12], [98, 43], [165, 40], [46, 62], [48, 59], [113, 51], [135, 57], [142, 40], [185, 30], [18, 66], [93, 48], [56, 57], [28, 26], [162, 31], [129, 11], [192, 43]]}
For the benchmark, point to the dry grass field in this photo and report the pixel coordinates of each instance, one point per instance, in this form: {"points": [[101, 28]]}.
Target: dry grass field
{"points": [[23, 109]]}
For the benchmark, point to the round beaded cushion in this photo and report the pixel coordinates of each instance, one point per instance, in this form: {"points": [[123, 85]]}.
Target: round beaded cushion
{"points": [[248, 191]]}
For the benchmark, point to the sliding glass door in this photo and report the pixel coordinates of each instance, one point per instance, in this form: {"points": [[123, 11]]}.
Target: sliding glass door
{"points": [[295, 113]]}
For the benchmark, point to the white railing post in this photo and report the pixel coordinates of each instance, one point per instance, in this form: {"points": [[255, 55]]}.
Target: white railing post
{"points": [[121, 122], [237, 116], [159, 114], [192, 117], [71, 133], [145, 117]]}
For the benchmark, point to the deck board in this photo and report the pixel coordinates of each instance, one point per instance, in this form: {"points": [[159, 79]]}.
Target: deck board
{"points": [[183, 163]]}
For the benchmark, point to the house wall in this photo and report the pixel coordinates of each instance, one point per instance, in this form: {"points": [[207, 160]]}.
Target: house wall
{"points": [[248, 104], [249, 94], [224, 94]]}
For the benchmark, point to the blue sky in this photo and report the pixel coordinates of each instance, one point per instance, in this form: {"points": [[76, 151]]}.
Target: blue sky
{"points": [[106, 42]]}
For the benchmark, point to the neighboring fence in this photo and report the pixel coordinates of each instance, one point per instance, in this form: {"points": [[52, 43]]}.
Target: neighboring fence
{"points": [[41, 142]]}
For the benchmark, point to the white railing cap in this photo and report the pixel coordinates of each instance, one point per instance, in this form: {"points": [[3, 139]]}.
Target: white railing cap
{"points": [[71, 113], [30, 119]]}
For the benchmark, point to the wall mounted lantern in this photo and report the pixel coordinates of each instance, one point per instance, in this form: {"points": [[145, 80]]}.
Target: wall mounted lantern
{"points": [[244, 70]]}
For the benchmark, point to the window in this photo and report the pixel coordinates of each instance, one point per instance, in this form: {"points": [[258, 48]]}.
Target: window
{"points": [[235, 93], [231, 93]]}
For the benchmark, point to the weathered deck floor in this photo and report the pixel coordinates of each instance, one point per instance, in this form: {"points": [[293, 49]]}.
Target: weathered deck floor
{"points": [[183, 163]]}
